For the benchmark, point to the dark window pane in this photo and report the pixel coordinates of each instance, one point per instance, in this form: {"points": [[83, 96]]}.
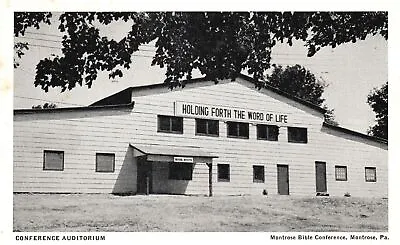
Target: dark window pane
{"points": [[177, 124], [105, 162], [170, 124], [53, 160], [297, 135], [207, 127], [237, 129], [201, 126], [213, 127], [273, 132], [232, 129], [180, 171], [164, 123], [223, 172], [267, 132], [244, 130], [261, 131], [258, 174]]}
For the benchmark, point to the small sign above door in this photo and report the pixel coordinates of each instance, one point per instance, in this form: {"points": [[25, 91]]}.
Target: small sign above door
{"points": [[183, 159]]}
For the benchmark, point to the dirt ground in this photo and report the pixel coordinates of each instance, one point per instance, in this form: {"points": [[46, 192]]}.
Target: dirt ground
{"points": [[98, 212]]}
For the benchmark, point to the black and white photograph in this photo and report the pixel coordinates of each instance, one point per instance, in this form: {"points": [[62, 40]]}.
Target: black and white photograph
{"points": [[273, 122]]}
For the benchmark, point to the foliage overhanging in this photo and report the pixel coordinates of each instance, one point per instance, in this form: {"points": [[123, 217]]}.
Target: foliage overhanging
{"points": [[218, 44]]}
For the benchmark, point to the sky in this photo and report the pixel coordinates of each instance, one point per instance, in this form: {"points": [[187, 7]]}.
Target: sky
{"points": [[351, 70]]}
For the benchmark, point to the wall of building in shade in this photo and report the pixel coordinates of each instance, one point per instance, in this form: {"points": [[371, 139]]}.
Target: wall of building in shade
{"points": [[83, 135]]}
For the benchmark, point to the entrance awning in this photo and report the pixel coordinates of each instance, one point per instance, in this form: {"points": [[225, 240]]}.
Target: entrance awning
{"points": [[170, 153], [171, 150]]}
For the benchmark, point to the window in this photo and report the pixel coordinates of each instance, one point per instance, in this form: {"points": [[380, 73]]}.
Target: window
{"points": [[223, 172], [258, 174], [297, 135], [207, 127], [370, 174], [105, 162], [267, 132], [180, 171], [341, 173], [238, 130], [170, 124], [53, 160]]}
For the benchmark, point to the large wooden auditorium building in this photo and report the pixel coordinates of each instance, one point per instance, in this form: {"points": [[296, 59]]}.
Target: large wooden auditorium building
{"points": [[225, 138]]}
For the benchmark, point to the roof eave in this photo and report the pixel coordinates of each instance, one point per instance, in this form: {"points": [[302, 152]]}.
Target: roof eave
{"points": [[355, 133], [70, 109]]}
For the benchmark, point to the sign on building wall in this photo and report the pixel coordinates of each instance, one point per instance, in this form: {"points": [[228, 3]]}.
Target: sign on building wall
{"points": [[187, 109], [183, 159]]}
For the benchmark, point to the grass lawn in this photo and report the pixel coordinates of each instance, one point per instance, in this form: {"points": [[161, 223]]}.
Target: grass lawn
{"points": [[98, 212]]}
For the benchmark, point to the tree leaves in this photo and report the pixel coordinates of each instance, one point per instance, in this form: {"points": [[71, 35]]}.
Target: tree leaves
{"points": [[335, 28], [378, 100], [218, 44], [85, 52], [301, 83], [297, 81], [45, 106], [24, 20], [19, 50]]}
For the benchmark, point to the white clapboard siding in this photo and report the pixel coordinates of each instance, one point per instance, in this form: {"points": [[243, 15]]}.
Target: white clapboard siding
{"points": [[68, 132], [82, 134]]}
